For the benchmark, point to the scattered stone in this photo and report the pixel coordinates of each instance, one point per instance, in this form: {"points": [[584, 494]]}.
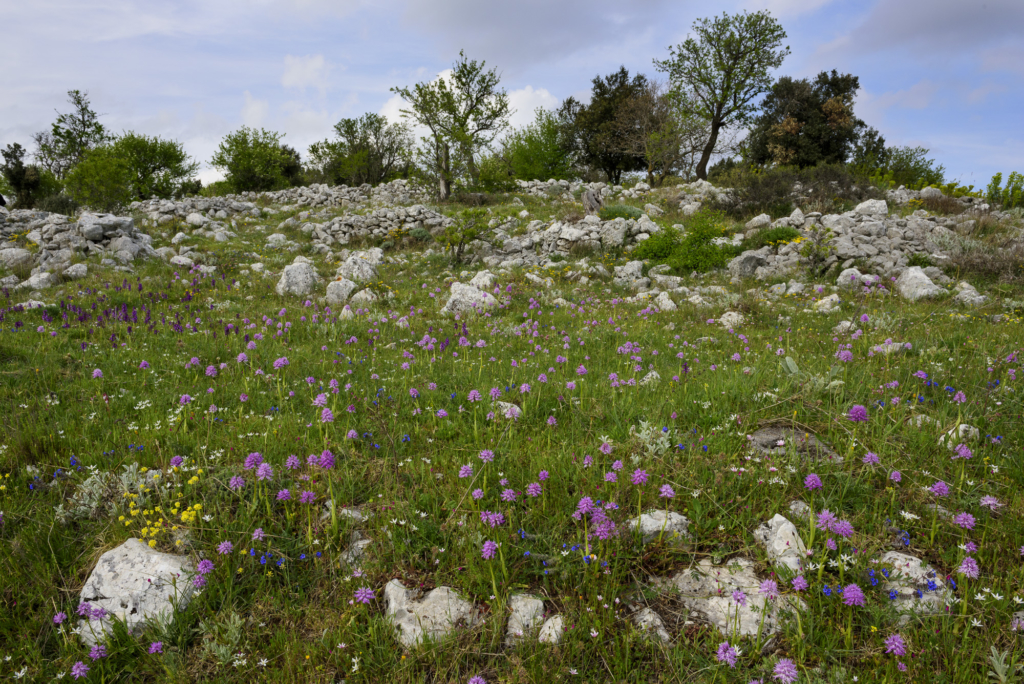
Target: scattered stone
{"points": [[782, 541], [731, 319], [76, 271], [960, 434], [664, 302], [135, 584], [914, 284], [759, 221], [967, 295], [874, 207], [484, 280], [667, 525], [827, 304], [780, 441], [468, 299], [298, 279], [433, 616], [552, 629], [908, 576], [651, 624], [526, 612], [338, 291]]}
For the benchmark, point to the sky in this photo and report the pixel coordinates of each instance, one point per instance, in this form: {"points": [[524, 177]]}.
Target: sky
{"points": [[947, 75]]}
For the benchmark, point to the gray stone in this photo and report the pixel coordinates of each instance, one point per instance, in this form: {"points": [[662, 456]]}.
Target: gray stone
{"points": [[873, 207], [850, 279], [651, 624], [358, 269], [338, 291], [179, 238], [913, 284], [182, 261], [76, 271], [746, 264], [652, 210], [433, 616], [707, 589], [759, 221], [968, 296], [908, 575], [135, 584], [731, 319], [826, 304], [483, 280], [665, 303], [298, 279], [660, 524], [525, 615], [196, 219], [782, 541], [467, 299], [366, 296], [781, 441], [40, 281], [13, 257], [930, 193], [552, 629]]}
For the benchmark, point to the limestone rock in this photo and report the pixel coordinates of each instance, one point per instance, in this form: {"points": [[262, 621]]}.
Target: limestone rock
{"points": [[196, 219], [913, 284], [135, 584], [182, 260], [433, 616], [338, 291], [827, 304], [759, 221], [782, 541], [665, 524], [298, 279], [707, 589], [526, 612], [552, 629], [13, 257], [968, 296], [358, 269], [484, 280], [731, 319], [76, 271], [366, 296], [874, 207], [651, 624], [466, 299], [665, 303], [746, 264], [908, 575]]}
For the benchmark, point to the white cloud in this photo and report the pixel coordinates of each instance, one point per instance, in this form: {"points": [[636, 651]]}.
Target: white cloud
{"points": [[311, 71], [254, 111], [526, 100]]}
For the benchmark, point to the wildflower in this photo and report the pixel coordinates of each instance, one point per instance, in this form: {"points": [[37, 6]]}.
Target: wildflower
{"points": [[185, 399], [477, 680], [739, 597], [284, 495], [969, 568], [964, 520], [990, 502], [870, 458], [551, 421], [307, 497], [769, 589], [853, 596], [843, 528], [225, 547], [264, 472], [156, 647], [543, 475], [489, 549], [364, 595], [508, 495], [826, 520], [258, 534], [895, 645], [533, 489], [326, 416], [812, 482], [726, 654], [639, 477], [605, 448], [352, 434], [959, 398], [799, 583], [940, 488], [79, 670], [236, 483], [60, 617], [326, 460], [474, 395], [466, 471], [895, 476], [617, 465], [97, 652], [785, 671], [478, 494], [486, 455], [666, 492], [858, 414], [97, 374], [252, 460]]}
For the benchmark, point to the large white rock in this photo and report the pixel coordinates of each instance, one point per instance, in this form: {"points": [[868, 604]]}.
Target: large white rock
{"points": [[665, 524], [651, 624], [908, 575], [13, 257], [76, 271], [731, 319], [196, 219], [782, 541], [873, 207], [357, 269], [968, 295], [665, 303], [135, 584], [826, 304], [483, 280], [466, 298], [366, 296], [759, 221], [914, 284], [525, 616], [338, 291], [298, 279], [552, 629], [849, 279], [181, 260], [707, 589], [40, 281], [433, 616]]}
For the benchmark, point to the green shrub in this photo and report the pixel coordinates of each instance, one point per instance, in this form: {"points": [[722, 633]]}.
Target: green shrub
{"points": [[659, 246], [421, 234], [771, 236], [101, 181], [824, 188], [156, 167], [253, 160], [919, 259], [216, 189], [58, 203], [615, 211], [1011, 196]]}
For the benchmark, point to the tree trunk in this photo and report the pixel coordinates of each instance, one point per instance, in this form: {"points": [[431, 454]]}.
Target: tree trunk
{"points": [[443, 171], [702, 167]]}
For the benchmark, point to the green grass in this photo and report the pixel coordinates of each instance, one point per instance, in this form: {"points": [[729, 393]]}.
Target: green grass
{"points": [[403, 469]]}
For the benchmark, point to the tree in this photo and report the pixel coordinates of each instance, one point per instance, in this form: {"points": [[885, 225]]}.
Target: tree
{"points": [[366, 150], [662, 129], [28, 182], [594, 132], [804, 123], [724, 68], [534, 151], [291, 166], [251, 160], [465, 112], [156, 167], [70, 137]]}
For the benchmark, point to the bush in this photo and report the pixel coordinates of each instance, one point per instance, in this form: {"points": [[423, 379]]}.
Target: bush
{"points": [[692, 251], [216, 189], [101, 181], [252, 160], [58, 203], [827, 187], [421, 234], [27, 183], [659, 246], [771, 236], [1011, 196], [615, 211], [156, 167]]}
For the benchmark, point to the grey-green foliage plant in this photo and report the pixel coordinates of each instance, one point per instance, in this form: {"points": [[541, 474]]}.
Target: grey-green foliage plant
{"points": [[70, 137], [468, 226], [465, 112], [722, 67], [225, 637], [252, 160], [365, 150]]}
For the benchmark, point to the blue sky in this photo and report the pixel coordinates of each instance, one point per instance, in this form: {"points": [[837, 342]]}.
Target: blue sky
{"points": [[944, 74]]}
